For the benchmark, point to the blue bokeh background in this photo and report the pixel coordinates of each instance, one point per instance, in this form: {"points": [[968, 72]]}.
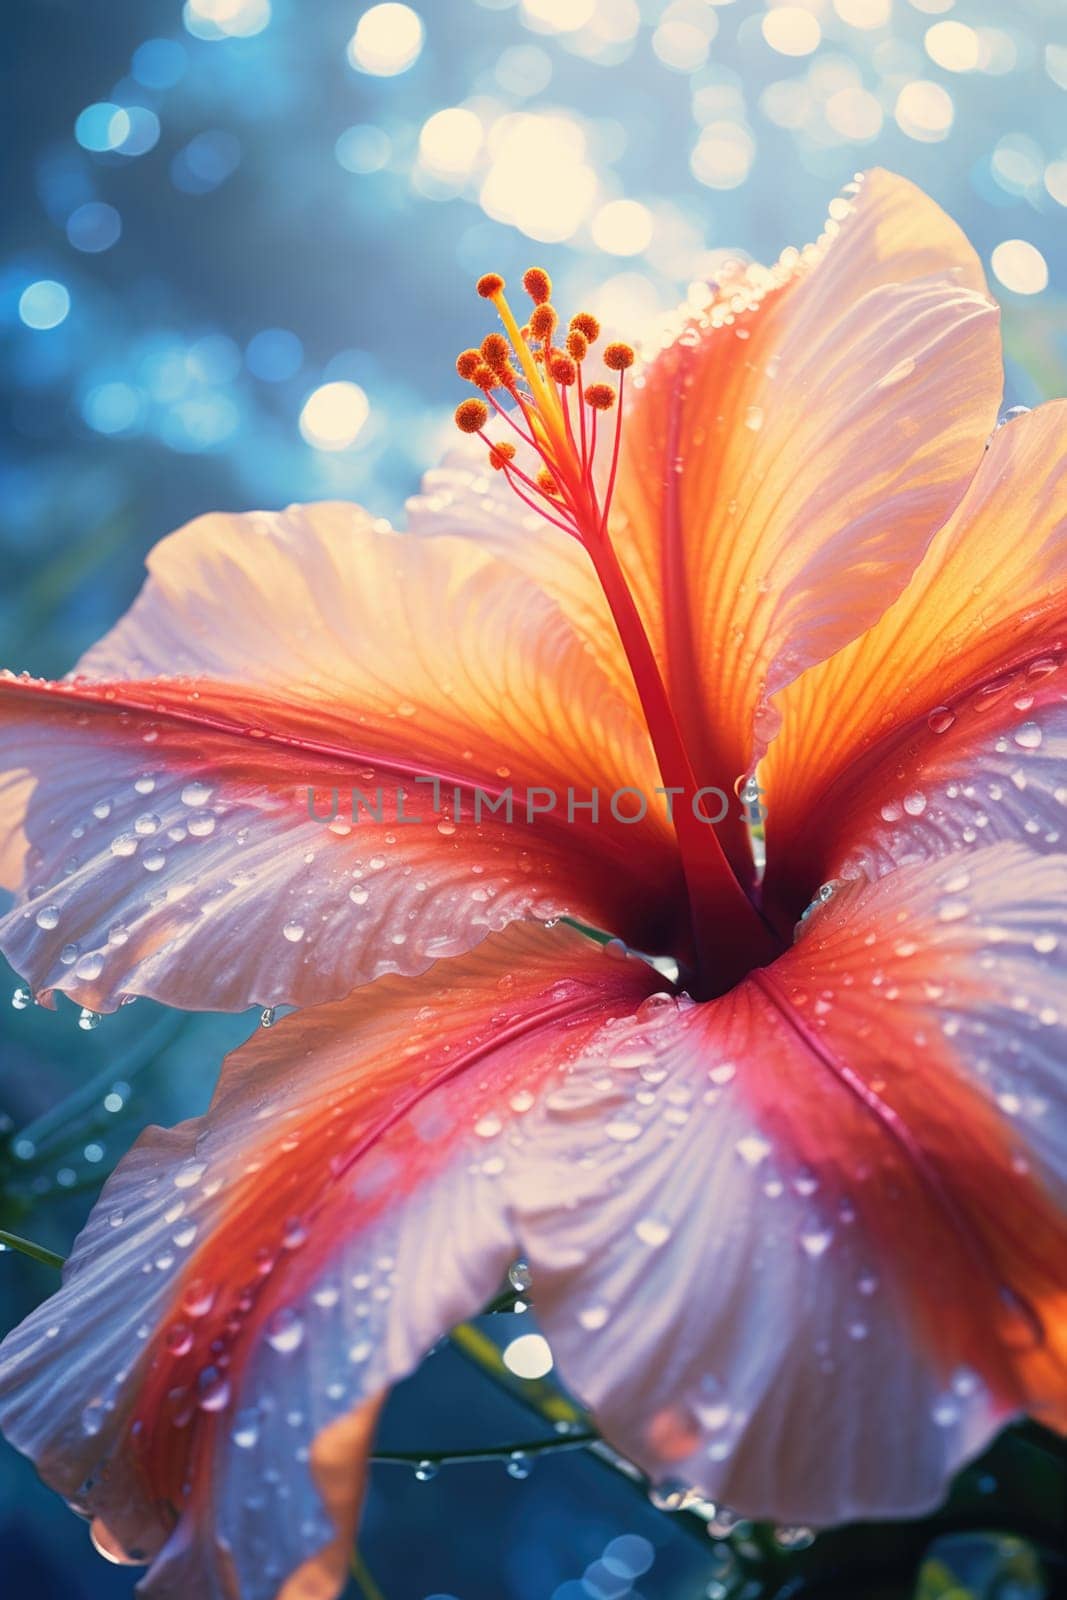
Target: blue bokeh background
{"points": [[236, 257]]}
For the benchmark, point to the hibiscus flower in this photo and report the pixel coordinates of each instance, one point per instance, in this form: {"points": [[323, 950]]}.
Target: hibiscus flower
{"points": [[795, 1222]]}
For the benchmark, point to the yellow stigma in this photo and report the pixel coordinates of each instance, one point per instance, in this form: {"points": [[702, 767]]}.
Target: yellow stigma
{"points": [[549, 411]]}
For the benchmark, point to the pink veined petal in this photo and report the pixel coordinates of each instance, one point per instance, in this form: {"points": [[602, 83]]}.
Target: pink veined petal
{"points": [[171, 851], [249, 1284], [943, 727], [800, 1247], [803, 1247]]}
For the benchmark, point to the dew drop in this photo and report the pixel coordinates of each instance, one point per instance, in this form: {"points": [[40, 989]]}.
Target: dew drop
{"points": [[47, 917], [285, 1331], [426, 1471], [1028, 736], [212, 1390], [519, 1276], [753, 1149], [941, 719], [245, 1434], [93, 1417], [622, 1130], [816, 1241], [178, 1339], [294, 932]]}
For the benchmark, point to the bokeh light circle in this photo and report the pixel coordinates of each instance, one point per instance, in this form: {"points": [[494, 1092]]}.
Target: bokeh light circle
{"points": [[334, 415], [94, 227], [623, 228], [388, 40], [792, 30], [102, 126], [44, 304], [1020, 266]]}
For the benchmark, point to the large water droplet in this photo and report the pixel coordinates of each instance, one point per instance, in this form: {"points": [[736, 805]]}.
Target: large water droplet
{"points": [[1028, 736]]}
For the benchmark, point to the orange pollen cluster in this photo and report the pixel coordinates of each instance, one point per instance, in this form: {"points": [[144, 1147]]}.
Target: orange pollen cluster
{"points": [[548, 406]]}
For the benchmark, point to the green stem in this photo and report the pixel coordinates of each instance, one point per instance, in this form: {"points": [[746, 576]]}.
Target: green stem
{"points": [[36, 1252], [147, 1050], [500, 1452], [545, 1401], [364, 1578]]}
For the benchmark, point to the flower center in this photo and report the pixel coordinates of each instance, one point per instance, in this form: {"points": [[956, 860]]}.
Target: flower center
{"points": [[535, 385]]}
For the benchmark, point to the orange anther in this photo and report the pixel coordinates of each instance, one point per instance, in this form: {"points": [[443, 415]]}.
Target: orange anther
{"points": [[483, 377], [543, 322], [468, 362], [577, 345], [585, 323], [489, 284], [538, 285], [601, 396], [618, 357], [496, 352], [547, 482], [563, 370], [501, 454], [471, 416]]}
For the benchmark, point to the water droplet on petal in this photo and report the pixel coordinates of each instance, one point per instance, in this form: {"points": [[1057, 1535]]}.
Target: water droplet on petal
{"points": [[285, 1330], [245, 1434]]}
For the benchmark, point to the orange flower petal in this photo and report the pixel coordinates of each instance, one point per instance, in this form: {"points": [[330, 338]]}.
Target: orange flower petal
{"points": [[250, 1283], [916, 725], [172, 851], [787, 459]]}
